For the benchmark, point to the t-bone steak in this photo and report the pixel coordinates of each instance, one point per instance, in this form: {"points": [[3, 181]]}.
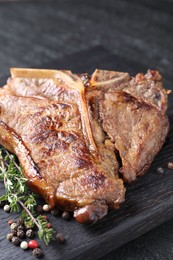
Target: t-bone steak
{"points": [[76, 135]]}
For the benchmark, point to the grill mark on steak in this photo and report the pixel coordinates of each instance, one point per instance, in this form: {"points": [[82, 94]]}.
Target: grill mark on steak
{"points": [[71, 81], [95, 181]]}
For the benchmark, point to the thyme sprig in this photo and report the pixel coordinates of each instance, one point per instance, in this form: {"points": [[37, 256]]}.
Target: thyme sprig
{"points": [[20, 198]]}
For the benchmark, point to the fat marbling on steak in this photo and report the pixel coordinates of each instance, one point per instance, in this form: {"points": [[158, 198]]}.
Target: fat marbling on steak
{"points": [[68, 130]]}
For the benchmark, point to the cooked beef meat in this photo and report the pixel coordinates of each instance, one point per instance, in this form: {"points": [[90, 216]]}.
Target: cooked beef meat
{"points": [[44, 121], [132, 114], [67, 130]]}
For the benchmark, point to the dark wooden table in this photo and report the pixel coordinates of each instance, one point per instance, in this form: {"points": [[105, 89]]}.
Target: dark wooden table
{"points": [[135, 32]]}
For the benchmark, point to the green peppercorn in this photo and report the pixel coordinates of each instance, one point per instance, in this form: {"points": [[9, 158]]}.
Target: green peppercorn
{"points": [[30, 233], [66, 215], [37, 252], [15, 240], [29, 225], [60, 238]]}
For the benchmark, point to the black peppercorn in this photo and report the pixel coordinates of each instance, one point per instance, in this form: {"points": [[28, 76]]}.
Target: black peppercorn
{"points": [[15, 240], [55, 212], [30, 233], [66, 215], [20, 233], [20, 221], [2, 203], [20, 227], [37, 252], [40, 208], [60, 238], [14, 231]]}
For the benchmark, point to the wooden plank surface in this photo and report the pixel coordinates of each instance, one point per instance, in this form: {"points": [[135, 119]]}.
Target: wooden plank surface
{"points": [[138, 33]]}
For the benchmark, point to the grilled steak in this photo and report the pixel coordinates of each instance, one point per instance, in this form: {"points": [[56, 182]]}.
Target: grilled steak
{"points": [[132, 114], [68, 130]]}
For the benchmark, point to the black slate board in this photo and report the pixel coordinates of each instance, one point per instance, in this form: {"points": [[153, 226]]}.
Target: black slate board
{"points": [[149, 201]]}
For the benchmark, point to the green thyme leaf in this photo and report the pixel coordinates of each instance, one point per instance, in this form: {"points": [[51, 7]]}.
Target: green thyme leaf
{"points": [[19, 197], [3, 198]]}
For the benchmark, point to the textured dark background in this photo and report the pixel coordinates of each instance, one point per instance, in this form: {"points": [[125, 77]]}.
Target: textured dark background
{"points": [[136, 32]]}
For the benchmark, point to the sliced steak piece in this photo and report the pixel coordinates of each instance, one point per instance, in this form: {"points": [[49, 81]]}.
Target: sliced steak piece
{"points": [[132, 112], [44, 121]]}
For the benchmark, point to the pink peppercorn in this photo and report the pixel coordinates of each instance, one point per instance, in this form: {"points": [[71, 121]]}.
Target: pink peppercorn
{"points": [[33, 244]]}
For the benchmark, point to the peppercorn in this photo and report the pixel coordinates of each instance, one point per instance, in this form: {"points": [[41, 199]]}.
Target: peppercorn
{"points": [[20, 221], [66, 215], [40, 208], [15, 240], [37, 252], [60, 238], [160, 170], [30, 233], [24, 245], [20, 227], [14, 231], [2, 203], [20, 233], [55, 212], [33, 244], [29, 225], [44, 217], [46, 207], [11, 221], [6, 208], [49, 225], [10, 236], [14, 226], [170, 165]]}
